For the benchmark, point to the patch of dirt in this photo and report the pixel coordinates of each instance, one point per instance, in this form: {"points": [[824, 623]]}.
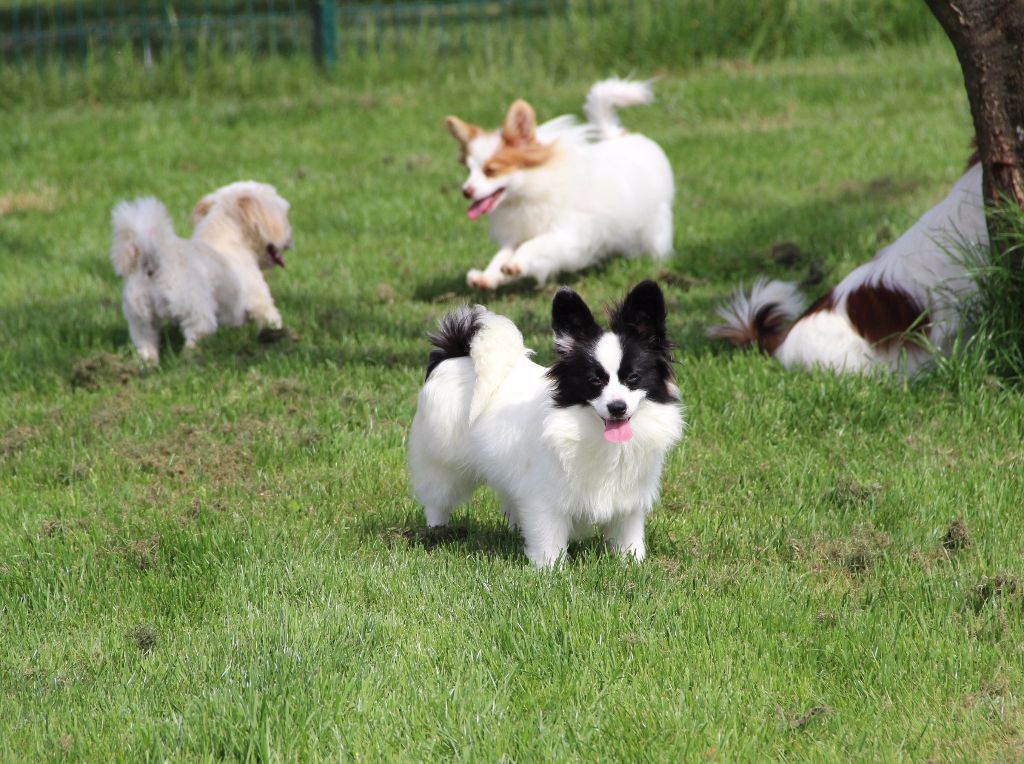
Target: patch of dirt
{"points": [[428, 538], [52, 527], [141, 553], [802, 720], [855, 553], [859, 551], [145, 638], [681, 281], [1002, 585], [38, 199], [415, 161], [786, 254], [101, 370], [849, 493], [957, 538], [385, 293], [15, 440]]}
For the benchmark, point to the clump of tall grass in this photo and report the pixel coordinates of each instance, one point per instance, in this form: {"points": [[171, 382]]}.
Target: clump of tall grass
{"points": [[990, 350]]}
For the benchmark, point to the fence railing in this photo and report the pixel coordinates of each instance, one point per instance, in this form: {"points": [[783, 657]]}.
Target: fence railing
{"points": [[69, 30]]}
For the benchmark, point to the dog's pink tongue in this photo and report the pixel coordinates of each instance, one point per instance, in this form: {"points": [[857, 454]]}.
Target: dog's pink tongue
{"points": [[618, 432], [482, 207]]}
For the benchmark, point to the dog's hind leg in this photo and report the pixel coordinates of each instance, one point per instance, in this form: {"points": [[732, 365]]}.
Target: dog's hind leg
{"points": [[440, 489], [196, 326], [659, 236]]}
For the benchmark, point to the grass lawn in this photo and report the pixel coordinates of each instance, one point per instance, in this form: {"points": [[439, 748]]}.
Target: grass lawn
{"points": [[221, 558]]}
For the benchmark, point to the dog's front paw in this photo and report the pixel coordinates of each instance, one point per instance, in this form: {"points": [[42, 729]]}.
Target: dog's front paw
{"points": [[479, 280], [512, 268]]}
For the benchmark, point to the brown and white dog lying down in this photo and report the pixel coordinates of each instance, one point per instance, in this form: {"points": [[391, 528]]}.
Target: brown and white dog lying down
{"points": [[892, 312]]}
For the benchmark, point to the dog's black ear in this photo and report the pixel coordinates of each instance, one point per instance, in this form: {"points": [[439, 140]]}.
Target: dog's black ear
{"points": [[572, 320], [642, 313]]}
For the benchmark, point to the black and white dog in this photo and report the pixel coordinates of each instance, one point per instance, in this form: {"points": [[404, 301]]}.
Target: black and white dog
{"points": [[565, 448]]}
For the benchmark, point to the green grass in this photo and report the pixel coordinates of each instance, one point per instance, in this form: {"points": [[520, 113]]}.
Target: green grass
{"points": [[221, 559]]}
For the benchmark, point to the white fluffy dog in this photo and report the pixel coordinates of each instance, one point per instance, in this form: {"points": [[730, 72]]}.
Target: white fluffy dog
{"points": [[566, 448], [891, 313], [563, 196], [213, 279]]}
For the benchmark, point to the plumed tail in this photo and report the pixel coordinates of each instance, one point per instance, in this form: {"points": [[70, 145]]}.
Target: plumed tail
{"points": [[761, 318], [142, 230], [454, 335], [607, 96], [492, 342]]}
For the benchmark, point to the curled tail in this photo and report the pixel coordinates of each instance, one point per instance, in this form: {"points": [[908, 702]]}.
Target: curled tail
{"points": [[492, 342], [761, 318], [608, 95], [142, 229]]}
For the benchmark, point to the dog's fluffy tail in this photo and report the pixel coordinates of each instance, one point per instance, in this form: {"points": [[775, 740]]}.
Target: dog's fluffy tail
{"points": [[761, 318], [142, 229], [492, 342], [607, 96]]}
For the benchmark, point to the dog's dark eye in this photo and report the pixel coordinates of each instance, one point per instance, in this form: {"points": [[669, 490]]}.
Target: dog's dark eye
{"points": [[633, 379], [596, 380], [490, 171]]}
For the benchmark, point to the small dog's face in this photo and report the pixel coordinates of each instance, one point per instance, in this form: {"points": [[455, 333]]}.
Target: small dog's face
{"points": [[497, 161], [612, 372], [259, 211]]}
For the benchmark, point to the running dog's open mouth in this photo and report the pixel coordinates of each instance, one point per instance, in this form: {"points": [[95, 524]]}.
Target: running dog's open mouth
{"points": [[485, 205], [276, 255], [617, 430]]}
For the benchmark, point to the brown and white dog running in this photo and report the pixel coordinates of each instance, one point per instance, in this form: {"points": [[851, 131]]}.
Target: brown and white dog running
{"points": [[562, 196]]}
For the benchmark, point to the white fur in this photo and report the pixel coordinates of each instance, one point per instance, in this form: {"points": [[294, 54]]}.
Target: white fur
{"points": [[739, 312], [489, 419], [211, 280], [604, 192], [930, 262]]}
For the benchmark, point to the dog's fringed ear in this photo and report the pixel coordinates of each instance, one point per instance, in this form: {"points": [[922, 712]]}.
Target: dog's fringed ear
{"points": [[642, 313], [202, 208], [461, 131], [520, 128], [572, 321]]}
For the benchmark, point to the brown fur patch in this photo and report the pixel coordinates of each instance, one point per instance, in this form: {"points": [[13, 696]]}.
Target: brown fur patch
{"points": [[202, 208], [511, 158], [882, 315], [520, 149], [463, 132]]}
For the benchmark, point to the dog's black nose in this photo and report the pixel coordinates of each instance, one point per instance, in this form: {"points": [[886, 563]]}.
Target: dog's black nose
{"points": [[467, 191], [617, 408]]}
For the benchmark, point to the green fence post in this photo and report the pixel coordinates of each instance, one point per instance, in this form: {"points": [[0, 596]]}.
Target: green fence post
{"points": [[325, 32]]}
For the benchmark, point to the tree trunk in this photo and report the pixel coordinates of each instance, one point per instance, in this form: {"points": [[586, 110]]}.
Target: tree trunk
{"points": [[988, 36]]}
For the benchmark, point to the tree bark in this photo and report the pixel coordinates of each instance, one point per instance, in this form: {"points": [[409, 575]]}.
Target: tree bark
{"points": [[988, 36]]}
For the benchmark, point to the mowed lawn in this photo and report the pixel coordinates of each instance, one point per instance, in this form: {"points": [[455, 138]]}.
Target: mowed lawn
{"points": [[221, 558]]}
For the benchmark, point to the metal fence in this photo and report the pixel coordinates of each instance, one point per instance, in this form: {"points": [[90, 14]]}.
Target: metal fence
{"points": [[73, 30]]}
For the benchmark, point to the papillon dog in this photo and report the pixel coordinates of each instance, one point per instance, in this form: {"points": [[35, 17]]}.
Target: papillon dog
{"points": [[562, 196], [892, 313], [566, 448], [213, 279]]}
